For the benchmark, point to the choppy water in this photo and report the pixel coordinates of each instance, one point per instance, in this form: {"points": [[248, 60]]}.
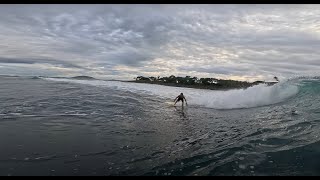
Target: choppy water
{"points": [[79, 127]]}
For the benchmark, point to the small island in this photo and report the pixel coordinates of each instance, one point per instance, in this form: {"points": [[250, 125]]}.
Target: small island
{"points": [[199, 83], [83, 78]]}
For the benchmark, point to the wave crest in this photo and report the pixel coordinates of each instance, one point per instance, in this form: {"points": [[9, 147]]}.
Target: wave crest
{"points": [[259, 95]]}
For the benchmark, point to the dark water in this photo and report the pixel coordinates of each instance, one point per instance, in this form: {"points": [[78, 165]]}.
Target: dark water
{"points": [[71, 128]]}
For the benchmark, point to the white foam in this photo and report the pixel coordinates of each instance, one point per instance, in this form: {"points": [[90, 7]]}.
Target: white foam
{"points": [[255, 96]]}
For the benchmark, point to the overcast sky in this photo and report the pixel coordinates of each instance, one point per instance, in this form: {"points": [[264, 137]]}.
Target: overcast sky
{"points": [[242, 42]]}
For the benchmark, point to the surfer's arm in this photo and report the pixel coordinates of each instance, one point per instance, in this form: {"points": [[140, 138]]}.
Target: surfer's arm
{"points": [[186, 100], [175, 99]]}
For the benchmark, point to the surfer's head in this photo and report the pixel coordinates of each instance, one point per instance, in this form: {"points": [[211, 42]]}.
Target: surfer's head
{"points": [[181, 93]]}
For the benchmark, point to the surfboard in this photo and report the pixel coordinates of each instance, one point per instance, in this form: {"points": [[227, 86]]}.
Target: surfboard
{"points": [[170, 103]]}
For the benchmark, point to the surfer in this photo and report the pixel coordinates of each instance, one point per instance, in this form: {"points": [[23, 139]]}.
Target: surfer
{"points": [[180, 98]]}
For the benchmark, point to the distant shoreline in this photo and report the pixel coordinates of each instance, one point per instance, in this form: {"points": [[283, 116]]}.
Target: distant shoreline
{"points": [[199, 83], [222, 85], [208, 87], [180, 85]]}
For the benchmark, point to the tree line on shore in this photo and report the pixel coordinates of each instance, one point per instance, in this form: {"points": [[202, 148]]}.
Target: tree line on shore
{"points": [[188, 81]]}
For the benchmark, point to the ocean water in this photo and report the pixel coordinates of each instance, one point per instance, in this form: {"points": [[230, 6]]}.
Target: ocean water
{"points": [[92, 127]]}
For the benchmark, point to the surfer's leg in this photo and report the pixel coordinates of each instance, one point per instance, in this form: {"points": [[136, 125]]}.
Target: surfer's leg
{"points": [[175, 102]]}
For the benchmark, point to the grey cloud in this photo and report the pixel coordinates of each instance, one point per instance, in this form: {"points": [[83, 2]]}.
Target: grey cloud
{"points": [[4, 60], [217, 70], [253, 39], [130, 57]]}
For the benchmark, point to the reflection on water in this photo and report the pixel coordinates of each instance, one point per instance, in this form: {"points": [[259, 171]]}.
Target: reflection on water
{"points": [[182, 111]]}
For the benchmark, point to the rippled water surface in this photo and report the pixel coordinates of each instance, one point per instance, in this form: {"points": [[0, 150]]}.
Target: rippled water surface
{"points": [[80, 127]]}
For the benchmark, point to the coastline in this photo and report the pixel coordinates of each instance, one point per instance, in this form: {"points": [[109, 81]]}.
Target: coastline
{"points": [[200, 86], [221, 85]]}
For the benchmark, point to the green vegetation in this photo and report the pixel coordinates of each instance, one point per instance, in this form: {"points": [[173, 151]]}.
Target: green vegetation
{"points": [[202, 83]]}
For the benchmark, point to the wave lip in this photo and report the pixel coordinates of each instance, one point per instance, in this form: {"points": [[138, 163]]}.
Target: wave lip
{"points": [[260, 95]]}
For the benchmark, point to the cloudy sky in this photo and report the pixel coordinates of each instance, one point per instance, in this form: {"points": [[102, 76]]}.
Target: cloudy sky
{"points": [[242, 42]]}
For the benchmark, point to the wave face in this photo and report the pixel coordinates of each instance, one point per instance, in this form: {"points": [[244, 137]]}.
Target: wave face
{"points": [[256, 96]]}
